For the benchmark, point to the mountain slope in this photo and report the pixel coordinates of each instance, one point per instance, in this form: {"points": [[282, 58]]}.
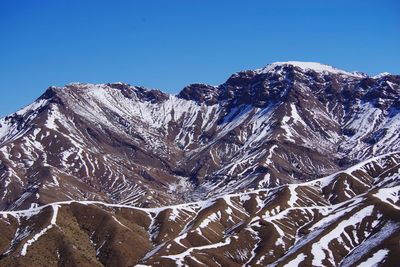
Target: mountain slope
{"points": [[347, 218]]}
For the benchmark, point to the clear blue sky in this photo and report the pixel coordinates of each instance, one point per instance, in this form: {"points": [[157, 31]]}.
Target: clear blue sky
{"points": [[169, 44]]}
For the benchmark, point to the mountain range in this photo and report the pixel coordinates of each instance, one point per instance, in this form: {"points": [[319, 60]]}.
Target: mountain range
{"points": [[296, 163]]}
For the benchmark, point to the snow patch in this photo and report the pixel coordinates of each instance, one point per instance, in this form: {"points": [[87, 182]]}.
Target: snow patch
{"points": [[314, 66]]}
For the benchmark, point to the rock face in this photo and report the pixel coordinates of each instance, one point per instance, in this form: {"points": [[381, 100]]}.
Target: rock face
{"points": [[258, 145]]}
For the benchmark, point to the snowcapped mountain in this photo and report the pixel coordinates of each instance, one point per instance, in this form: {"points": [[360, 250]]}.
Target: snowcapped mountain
{"points": [[285, 123], [268, 146]]}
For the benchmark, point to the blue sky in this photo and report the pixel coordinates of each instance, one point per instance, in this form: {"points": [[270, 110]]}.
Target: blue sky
{"points": [[169, 44]]}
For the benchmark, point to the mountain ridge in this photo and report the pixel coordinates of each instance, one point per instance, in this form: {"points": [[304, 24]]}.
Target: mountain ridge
{"points": [[314, 66]]}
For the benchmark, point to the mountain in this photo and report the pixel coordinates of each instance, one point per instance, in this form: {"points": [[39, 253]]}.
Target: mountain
{"points": [[298, 148], [285, 123]]}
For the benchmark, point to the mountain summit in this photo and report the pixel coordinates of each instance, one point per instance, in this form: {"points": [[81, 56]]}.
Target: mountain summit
{"points": [[308, 66]]}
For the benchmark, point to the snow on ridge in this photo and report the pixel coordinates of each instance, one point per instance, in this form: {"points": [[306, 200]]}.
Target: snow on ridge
{"points": [[381, 75], [324, 181], [315, 66], [42, 232], [376, 259], [8, 129], [39, 103]]}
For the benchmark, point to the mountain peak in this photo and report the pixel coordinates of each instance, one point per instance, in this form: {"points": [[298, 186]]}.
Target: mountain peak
{"points": [[307, 66], [201, 93], [381, 75]]}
